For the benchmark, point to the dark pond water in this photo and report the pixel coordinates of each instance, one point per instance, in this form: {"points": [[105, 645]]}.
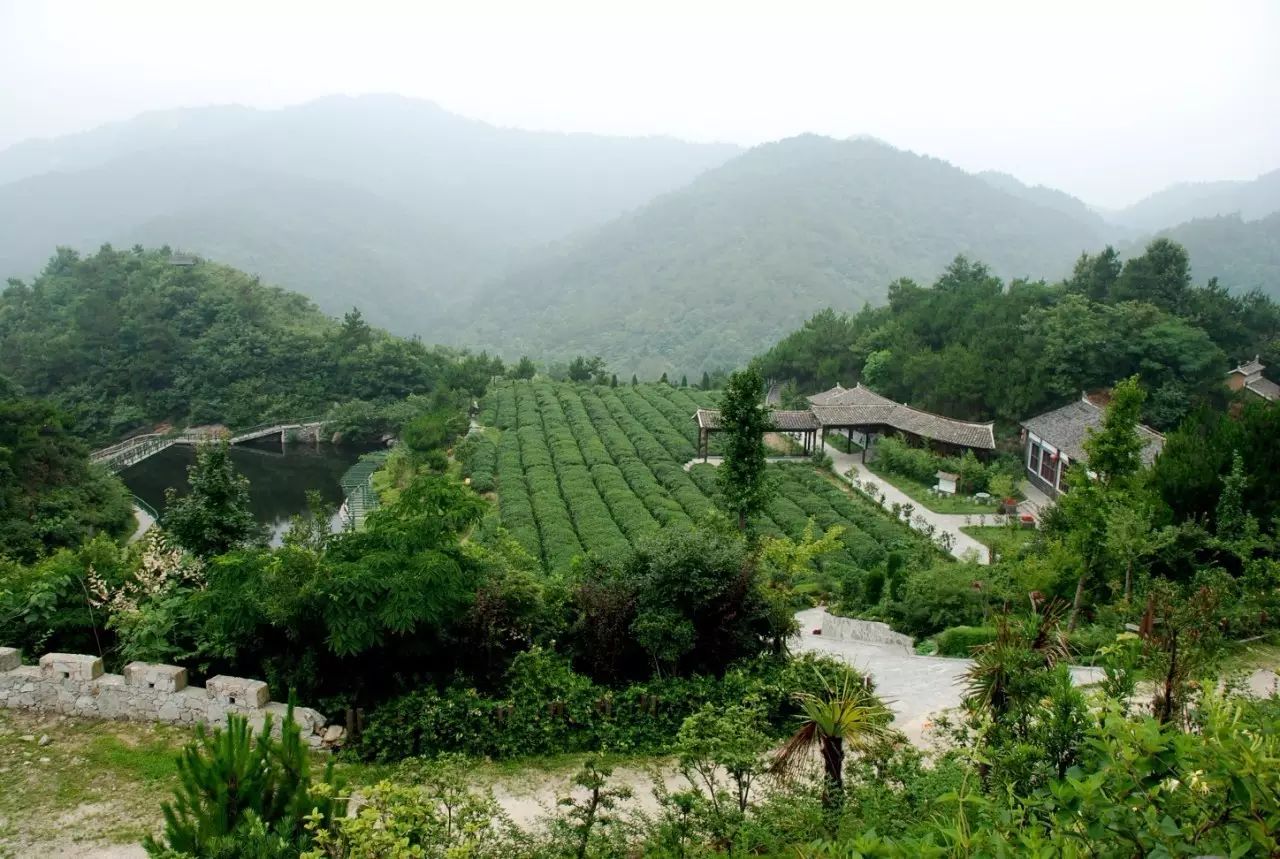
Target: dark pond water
{"points": [[279, 476]]}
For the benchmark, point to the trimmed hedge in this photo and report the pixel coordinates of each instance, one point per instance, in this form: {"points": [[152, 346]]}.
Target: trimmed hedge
{"points": [[961, 640]]}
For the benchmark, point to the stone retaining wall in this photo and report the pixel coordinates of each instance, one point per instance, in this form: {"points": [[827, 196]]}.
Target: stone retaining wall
{"points": [[75, 685], [851, 629]]}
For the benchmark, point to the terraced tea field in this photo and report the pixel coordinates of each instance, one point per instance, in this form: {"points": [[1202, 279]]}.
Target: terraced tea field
{"points": [[592, 470]]}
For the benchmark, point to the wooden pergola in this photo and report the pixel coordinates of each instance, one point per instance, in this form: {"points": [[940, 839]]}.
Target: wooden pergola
{"points": [[803, 423]]}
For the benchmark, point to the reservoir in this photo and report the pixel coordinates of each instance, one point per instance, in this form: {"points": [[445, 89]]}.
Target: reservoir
{"points": [[280, 476]]}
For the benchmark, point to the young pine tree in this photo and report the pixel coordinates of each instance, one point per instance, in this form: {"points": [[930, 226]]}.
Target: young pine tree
{"points": [[744, 419], [214, 517], [235, 788]]}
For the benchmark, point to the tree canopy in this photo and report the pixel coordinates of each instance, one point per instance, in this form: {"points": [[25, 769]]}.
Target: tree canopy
{"points": [[972, 347], [126, 339]]}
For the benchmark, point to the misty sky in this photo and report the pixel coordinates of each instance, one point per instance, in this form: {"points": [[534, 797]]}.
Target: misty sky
{"points": [[1107, 100]]}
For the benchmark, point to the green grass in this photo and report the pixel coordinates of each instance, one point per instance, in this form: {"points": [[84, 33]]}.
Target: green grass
{"points": [[1006, 541], [1252, 655], [842, 443], [919, 493], [98, 782], [104, 782]]}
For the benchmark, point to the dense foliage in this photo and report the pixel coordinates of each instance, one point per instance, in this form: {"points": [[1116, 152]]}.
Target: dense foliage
{"points": [[972, 347], [50, 496], [126, 339]]}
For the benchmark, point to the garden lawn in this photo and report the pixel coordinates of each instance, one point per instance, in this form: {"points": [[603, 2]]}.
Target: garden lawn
{"points": [[1006, 541], [919, 493]]}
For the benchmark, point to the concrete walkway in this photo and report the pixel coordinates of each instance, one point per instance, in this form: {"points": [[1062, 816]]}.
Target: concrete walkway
{"points": [[916, 688], [962, 545], [145, 522]]}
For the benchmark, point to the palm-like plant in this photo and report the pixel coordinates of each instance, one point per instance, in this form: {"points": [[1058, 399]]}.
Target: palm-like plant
{"points": [[1010, 670], [846, 716]]}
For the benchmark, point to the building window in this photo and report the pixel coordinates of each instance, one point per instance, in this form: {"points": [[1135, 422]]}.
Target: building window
{"points": [[1049, 468], [1033, 458]]}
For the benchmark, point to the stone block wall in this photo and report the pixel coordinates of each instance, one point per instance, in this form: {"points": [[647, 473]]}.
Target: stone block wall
{"points": [[852, 629], [74, 684]]}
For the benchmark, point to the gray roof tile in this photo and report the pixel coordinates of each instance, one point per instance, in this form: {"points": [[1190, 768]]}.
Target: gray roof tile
{"points": [[1067, 428]]}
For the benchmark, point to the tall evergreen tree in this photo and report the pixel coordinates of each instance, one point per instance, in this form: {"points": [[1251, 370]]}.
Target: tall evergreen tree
{"points": [[215, 516], [684, 381], [706, 381], [524, 369], [744, 419], [634, 381]]}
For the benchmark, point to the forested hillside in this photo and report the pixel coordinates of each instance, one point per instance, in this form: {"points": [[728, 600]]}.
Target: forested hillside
{"points": [[1251, 199], [391, 204], [973, 347], [126, 339], [50, 496], [701, 278], [1242, 254]]}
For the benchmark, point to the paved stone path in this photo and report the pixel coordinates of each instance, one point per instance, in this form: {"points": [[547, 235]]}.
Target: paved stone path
{"points": [[145, 522], [916, 688], [962, 545]]}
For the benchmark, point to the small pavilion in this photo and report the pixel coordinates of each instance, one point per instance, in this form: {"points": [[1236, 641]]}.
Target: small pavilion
{"points": [[861, 410], [801, 425]]}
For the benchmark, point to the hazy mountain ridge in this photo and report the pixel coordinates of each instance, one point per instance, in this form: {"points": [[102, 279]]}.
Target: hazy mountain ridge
{"points": [[469, 194], [1243, 254], [702, 276], [1043, 195], [1251, 199], [657, 254]]}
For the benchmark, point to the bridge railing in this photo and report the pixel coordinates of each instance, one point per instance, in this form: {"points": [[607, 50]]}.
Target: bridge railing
{"points": [[277, 424], [145, 508], [127, 444]]}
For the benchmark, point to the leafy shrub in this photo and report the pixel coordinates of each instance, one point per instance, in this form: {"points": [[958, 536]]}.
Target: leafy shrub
{"points": [[937, 597], [550, 709], [896, 456], [961, 640]]}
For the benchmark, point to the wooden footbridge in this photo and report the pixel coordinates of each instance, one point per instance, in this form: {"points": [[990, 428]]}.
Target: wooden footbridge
{"points": [[133, 450]]}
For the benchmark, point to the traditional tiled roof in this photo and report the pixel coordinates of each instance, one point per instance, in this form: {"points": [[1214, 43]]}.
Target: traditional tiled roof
{"points": [[855, 396], [786, 421], [1264, 388], [1252, 368], [860, 406], [1068, 427], [823, 398]]}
